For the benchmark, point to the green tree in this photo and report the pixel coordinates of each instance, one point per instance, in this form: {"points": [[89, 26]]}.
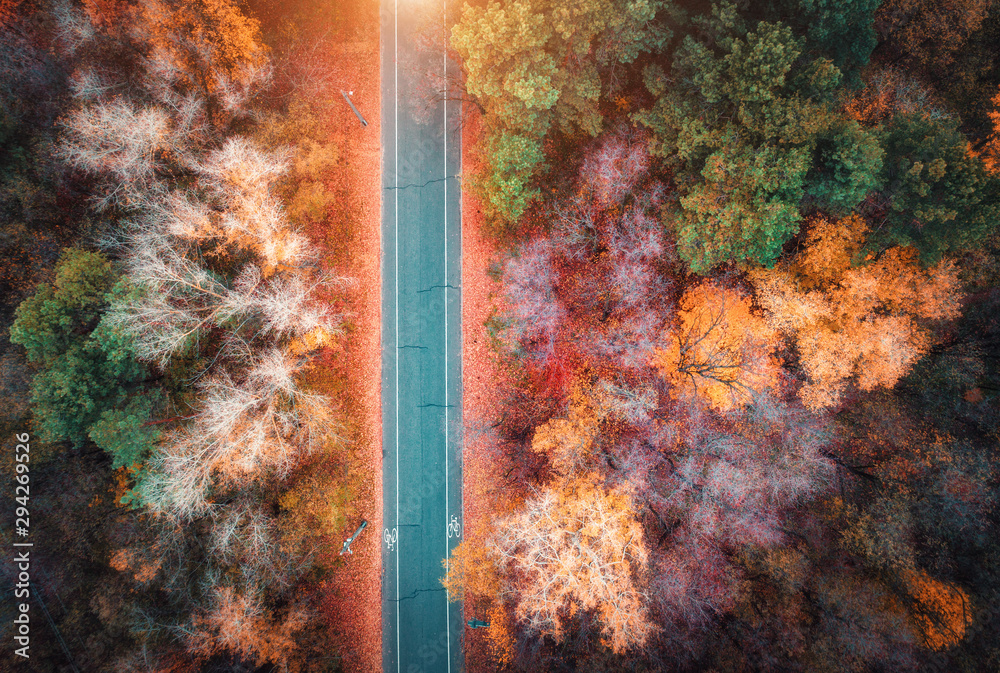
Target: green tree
{"points": [[749, 125], [538, 64], [53, 319], [86, 368], [938, 197], [846, 167], [72, 392], [512, 161], [842, 31], [124, 432], [745, 207]]}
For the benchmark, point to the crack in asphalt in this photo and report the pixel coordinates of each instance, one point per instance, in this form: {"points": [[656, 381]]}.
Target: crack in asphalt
{"points": [[439, 406], [414, 595], [436, 287], [447, 177], [416, 347]]}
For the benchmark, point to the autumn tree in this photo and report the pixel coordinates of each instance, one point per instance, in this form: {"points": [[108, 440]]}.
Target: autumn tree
{"points": [[213, 39], [917, 498], [316, 504], [929, 33], [471, 571], [860, 623], [241, 429], [731, 478], [536, 314], [195, 68], [204, 45], [122, 140], [177, 298], [889, 512], [472, 575], [554, 317], [576, 547], [866, 322], [720, 350], [238, 623], [570, 442], [881, 535], [990, 152], [941, 610], [888, 91]]}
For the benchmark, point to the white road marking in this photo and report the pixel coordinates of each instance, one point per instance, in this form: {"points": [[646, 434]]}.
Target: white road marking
{"points": [[395, 93], [461, 214], [444, 292]]}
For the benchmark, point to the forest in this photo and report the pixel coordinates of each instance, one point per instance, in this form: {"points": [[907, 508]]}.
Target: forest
{"points": [[171, 332], [744, 261], [744, 311]]}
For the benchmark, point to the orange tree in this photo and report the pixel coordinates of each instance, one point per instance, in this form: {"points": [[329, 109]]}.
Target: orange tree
{"points": [[720, 350], [865, 323]]}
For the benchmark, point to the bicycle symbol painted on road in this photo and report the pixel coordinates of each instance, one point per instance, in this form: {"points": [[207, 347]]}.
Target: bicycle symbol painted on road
{"points": [[389, 538], [454, 528]]}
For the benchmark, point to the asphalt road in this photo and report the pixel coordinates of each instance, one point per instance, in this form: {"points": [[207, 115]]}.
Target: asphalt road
{"points": [[421, 352]]}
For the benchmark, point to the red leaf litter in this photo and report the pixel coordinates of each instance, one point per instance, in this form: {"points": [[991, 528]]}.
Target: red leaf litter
{"points": [[350, 596], [483, 384]]}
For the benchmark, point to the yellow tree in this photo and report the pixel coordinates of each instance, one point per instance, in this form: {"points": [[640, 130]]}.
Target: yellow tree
{"points": [[569, 442], [471, 570], [865, 322], [577, 547], [720, 350]]}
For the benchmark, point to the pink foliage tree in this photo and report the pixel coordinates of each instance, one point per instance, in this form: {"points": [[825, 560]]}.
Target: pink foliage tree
{"points": [[608, 229], [615, 165]]}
